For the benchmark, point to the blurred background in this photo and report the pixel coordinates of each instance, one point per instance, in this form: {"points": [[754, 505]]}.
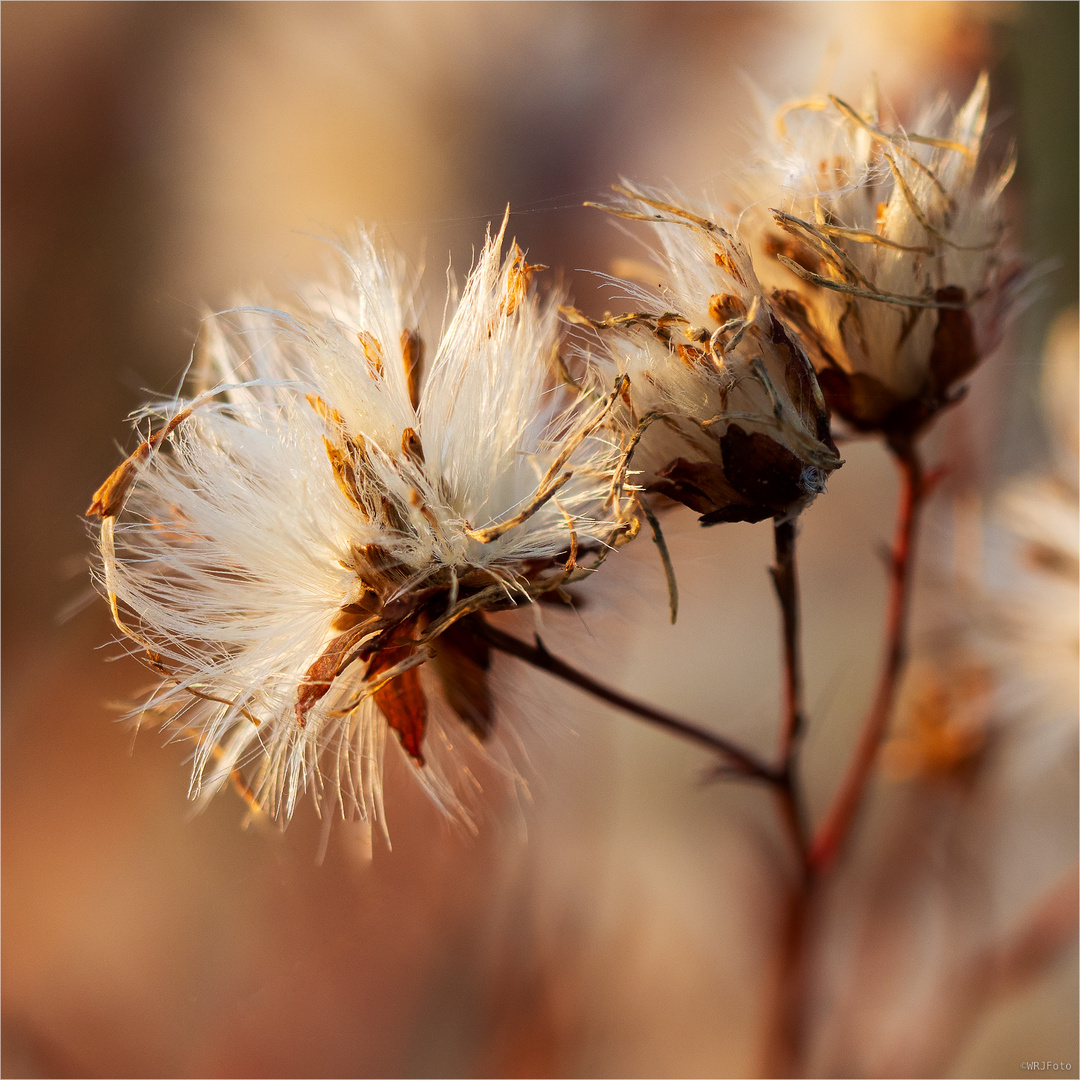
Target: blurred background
{"points": [[157, 158]]}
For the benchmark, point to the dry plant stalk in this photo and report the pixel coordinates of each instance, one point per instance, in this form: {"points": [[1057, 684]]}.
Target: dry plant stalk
{"points": [[307, 550]]}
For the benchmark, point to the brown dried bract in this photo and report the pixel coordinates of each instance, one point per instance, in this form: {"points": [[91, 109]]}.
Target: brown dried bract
{"points": [[319, 677], [401, 700], [327, 412], [373, 352], [863, 401], [519, 276], [361, 610], [109, 499], [802, 384], [723, 307], [690, 356], [344, 472], [793, 250], [727, 264], [869, 405], [954, 353], [412, 356], [411, 446], [462, 660], [703, 487], [760, 469]]}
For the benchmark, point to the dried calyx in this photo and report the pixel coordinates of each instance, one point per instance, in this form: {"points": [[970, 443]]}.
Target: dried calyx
{"points": [[884, 251], [292, 546], [723, 411]]}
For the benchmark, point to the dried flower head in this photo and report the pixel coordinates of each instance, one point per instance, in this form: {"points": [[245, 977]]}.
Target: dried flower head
{"points": [[884, 251], [293, 543], [726, 413]]}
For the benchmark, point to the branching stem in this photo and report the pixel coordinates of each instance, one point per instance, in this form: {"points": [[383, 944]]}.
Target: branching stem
{"points": [[744, 762], [841, 816]]}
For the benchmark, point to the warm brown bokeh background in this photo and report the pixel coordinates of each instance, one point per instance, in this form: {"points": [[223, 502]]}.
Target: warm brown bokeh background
{"points": [[156, 157]]}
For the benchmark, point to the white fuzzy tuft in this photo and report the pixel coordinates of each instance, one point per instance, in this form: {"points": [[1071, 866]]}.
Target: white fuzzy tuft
{"points": [[862, 224], [709, 363], [310, 508]]}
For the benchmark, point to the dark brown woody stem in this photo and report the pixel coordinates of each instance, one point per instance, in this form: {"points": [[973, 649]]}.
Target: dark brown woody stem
{"points": [[786, 583], [785, 1046], [787, 593], [743, 762]]}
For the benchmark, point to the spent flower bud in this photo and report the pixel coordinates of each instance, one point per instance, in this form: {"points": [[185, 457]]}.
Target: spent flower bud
{"points": [[884, 251], [725, 412]]}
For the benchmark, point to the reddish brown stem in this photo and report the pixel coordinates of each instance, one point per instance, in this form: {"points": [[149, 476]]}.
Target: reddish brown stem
{"points": [[840, 818], [743, 761], [785, 1045]]}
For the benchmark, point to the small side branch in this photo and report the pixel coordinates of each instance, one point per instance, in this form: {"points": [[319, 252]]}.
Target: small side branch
{"points": [[841, 816], [746, 763]]}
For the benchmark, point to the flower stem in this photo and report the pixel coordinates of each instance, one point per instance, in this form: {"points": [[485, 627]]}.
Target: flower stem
{"points": [[786, 583], [785, 1047], [743, 762], [840, 818]]}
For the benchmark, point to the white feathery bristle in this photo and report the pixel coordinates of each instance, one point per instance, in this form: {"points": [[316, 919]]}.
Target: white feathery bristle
{"points": [[712, 355], [891, 217], [244, 542]]}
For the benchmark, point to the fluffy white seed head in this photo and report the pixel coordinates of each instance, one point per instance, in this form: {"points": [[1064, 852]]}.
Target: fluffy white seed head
{"points": [[730, 418], [298, 538], [884, 250]]}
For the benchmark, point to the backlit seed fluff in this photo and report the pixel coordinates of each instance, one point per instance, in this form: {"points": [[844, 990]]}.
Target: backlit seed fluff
{"points": [[884, 250], [291, 544], [722, 400]]}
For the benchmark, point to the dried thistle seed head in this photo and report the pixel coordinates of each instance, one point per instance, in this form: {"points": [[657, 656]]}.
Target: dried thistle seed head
{"points": [[885, 251], [297, 541], [724, 410]]}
